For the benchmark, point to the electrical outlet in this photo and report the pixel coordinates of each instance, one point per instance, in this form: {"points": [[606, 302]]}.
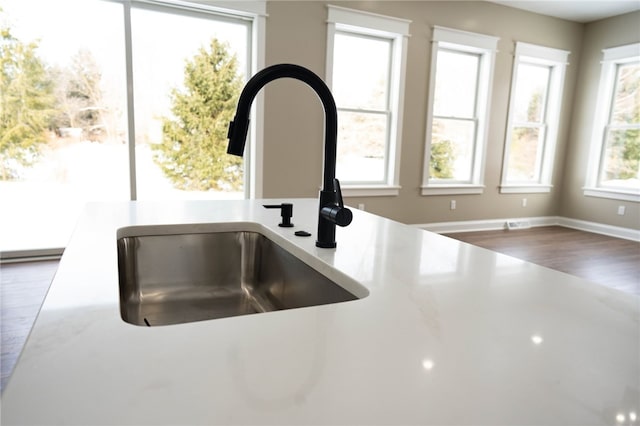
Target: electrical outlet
{"points": [[452, 205], [621, 210], [361, 206], [524, 202]]}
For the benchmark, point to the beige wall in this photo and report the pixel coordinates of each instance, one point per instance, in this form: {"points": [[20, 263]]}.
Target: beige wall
{"points": [[598, 35], [296, 33]]}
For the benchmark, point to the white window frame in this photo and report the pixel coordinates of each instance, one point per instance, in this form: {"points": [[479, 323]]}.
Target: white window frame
{"points": [[396, 30], [253, 11], [556, 61], [612, 58], [485, 46]]}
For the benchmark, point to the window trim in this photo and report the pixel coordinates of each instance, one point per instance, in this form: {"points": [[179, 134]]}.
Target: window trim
{"points": [[253, 11], [611, 59], [350, 21], [384, 112], [485, 46], [556, 60]]}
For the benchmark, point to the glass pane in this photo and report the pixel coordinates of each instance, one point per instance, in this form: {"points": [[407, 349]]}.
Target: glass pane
{"points": [[621, 162], [361, 71], [67, 69], [626, 101], [361, 147], [452, 145], [524, 153], [456, 84], [186, 81], [531, 90]]}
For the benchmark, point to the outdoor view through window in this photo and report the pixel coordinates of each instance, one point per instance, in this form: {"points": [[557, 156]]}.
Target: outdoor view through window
{"points": [[529, 120], [361, 73], [64, 124], [620, 167], [454, 119]]}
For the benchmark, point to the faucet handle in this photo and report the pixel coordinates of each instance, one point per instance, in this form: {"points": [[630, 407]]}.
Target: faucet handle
{"points": [[338, 214], [341, 216], [336, 183]]}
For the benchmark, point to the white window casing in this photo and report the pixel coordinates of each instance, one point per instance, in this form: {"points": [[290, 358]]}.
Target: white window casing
{"points": [[611, 60], [555, 60], [396, 30], [253, 11], [485, 48]]}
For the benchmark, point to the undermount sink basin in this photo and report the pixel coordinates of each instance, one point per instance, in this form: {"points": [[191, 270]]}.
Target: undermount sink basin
{"points": [[172, 274]]}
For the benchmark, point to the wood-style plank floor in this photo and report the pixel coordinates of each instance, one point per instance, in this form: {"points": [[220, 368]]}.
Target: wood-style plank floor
{"points": [[606, 260], [23, 288], [609, 261]]}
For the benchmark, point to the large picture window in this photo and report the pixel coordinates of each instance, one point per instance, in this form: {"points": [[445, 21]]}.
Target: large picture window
{"points": [[78, 135], [181, 131], [614, 170], [459, 100], [534, 112], [366, 59]]}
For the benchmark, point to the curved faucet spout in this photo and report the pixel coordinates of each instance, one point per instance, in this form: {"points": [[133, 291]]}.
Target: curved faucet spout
{"points": [[239, 127], [330, 196]]}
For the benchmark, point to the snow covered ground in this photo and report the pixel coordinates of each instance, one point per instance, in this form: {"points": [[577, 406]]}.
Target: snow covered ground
{"points": [[40, 211]]}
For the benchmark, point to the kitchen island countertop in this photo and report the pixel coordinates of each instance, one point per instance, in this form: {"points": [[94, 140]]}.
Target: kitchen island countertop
{"points": [[445, 333]]}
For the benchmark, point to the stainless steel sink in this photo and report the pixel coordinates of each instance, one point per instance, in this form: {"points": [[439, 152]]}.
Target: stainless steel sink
{"points": [[171, 278]]}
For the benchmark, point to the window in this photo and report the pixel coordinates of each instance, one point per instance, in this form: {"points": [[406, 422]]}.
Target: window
{"points": [[92, 139], [532, 125], [366, 57], [175, 155], [458, 111], [614, 166]]}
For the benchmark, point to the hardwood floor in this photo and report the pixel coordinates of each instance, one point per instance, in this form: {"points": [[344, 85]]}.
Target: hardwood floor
{"points": [[609, 261], [606, 260], [23, 288]]}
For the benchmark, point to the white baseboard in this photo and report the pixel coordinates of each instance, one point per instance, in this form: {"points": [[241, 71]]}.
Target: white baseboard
{"points": [[497, 224], [483, 225], [600, 228]]}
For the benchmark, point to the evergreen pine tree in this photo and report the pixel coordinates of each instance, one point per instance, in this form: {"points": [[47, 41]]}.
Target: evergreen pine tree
{"points": [[193, 149], [26, 104]]}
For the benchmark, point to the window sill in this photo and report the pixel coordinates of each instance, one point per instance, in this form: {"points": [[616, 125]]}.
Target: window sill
{"points": [[525, 189], [612, 194], [452, 189], [370, 190]]}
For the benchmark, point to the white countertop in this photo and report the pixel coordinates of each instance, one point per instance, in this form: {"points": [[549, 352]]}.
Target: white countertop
{"points": [[448, 334]]}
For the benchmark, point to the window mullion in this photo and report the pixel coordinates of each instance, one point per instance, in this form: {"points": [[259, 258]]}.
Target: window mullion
{"points": [[364, 110], [131, 127], [632, 126], [528, 124], [451, 117]]}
